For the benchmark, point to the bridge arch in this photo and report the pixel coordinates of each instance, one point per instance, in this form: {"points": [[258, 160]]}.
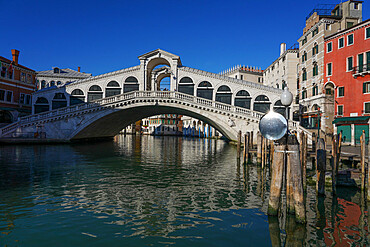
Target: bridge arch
{"points": [[110, 123]]}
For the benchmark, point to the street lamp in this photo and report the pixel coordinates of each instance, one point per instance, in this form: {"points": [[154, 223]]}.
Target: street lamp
{"points": [[286, 99]]}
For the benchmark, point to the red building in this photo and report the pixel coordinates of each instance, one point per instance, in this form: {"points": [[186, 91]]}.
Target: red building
{"points": [[347, 69], [17, 83]]}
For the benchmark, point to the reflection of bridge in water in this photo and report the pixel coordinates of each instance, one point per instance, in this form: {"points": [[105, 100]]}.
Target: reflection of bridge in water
{"points": [[117, 99]]}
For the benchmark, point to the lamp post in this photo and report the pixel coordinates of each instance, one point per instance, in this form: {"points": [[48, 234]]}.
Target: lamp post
{"points": [[286, 99]]}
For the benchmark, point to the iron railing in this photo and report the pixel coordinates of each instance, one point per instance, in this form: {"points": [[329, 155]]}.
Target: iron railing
{"points": [[365, 68], [323, 9]]}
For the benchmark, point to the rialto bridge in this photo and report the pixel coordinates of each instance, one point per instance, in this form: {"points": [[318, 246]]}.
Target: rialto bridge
{"points": [[101, 106]]}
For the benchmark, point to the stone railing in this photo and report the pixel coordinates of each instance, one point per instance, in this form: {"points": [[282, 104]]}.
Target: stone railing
{"points": [[152, 95]]}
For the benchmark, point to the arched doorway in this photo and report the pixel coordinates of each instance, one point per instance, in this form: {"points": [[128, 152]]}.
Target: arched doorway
{"points": [[131, 84], [224, 94], [243, 99], [77, 97], [112, 89], [41, 105], [58, 101], [262, 104], [186, 85], [95, 93], [5, 117], [205, 90]]}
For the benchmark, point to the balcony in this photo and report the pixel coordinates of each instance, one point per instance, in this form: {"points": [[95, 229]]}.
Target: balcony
{"points": [[361, 70]]}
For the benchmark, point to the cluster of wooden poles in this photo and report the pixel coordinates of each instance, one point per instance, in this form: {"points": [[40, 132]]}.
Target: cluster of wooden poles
{"points": [[288, 158]]}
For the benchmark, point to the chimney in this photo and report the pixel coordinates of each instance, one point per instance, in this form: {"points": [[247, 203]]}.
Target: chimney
{"points": [[79, 69], [282, 48], [15, 54]]}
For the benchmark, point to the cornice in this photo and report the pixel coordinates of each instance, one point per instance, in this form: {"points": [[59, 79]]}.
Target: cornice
{"points": [[361, 25]]}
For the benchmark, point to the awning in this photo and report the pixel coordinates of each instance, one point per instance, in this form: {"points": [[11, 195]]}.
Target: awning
{"points": [[351, 120]]}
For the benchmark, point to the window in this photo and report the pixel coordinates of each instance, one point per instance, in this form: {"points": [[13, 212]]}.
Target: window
{"points": [[350, 39], [304, 93], [355, 5], [315, 70], [21, 99], [315, 31], [340, 91], [327, 27], [3, 71], [315, 90], [29, 78], [366, 87], [315, 49], [304, 57], [304, 75], [367, 33], [304, 41], [367, 107], [23, 77], [9, 96], [340, 110], [349, 24], [241, 78], [349, 63], [360, 62], [341, 43], [2, 95], [329, 69], [28, 99], [329, 47], [236, 76]]}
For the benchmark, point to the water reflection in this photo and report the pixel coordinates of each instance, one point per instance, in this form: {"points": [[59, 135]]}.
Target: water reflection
{"points": [[141, 190]]}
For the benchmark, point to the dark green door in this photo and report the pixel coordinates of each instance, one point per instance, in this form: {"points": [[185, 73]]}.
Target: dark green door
{"points": [[346, 132], [358, 132]]}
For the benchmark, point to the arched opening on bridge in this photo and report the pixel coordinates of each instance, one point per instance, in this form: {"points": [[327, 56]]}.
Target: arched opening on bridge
{"points": [[131, 84], [112, 89], [43, 84], [153, 65], [95, 93], [186, 85], [52, 83], [279, 108], [41, 105], [58, 101], [59, 83], [224, 94], [205, 90], [262, 104], [243, 99], [77, 97], [5, 117]]}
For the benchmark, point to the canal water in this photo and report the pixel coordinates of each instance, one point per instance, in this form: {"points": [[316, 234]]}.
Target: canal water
{"points": [[157, 191]]}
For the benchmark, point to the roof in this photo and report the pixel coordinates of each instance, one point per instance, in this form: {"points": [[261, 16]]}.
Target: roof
{"points": [[160, 51], [63, 73], [344, 120], [339, 33], [3, 59]]}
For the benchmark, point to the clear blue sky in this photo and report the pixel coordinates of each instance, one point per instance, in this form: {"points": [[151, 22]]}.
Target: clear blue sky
{"points": [[103, 36]]}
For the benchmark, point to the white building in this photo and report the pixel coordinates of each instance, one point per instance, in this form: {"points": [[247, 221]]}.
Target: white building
{"points": [[58, 77]]}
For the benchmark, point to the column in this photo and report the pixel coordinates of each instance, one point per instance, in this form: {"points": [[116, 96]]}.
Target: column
{"points": [[352, 134]]}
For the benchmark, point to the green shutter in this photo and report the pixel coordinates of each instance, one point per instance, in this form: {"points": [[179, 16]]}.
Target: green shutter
{"points": [[368, 32], [364, 87], [346, 132]]}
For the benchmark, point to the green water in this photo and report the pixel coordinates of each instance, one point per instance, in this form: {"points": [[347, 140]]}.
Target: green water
{"points": [[155, 191]]}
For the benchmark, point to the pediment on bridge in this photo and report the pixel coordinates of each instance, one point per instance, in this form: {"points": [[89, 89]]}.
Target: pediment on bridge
{"points": [[160, 53]]}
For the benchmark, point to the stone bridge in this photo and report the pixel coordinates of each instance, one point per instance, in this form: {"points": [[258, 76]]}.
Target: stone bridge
{"points": [[101, 106]]}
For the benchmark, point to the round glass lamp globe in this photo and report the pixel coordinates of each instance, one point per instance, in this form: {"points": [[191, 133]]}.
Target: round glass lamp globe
{"points": [[286, 97]]}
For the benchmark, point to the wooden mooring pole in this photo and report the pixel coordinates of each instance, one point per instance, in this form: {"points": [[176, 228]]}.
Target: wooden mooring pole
{"points": [[303, 150], [246, 148], [363, 145], [238, 147], [276, 178], [320, 167], [259, 148]]}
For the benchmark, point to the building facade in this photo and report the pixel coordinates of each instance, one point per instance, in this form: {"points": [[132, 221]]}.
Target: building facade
{"points": [[17, 83], [316, 100], [283, 72], [347, 70], [58, 77]]}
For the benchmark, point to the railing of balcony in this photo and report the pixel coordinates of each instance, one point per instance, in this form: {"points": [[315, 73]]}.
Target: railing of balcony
{"points": [[361, 69]]}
